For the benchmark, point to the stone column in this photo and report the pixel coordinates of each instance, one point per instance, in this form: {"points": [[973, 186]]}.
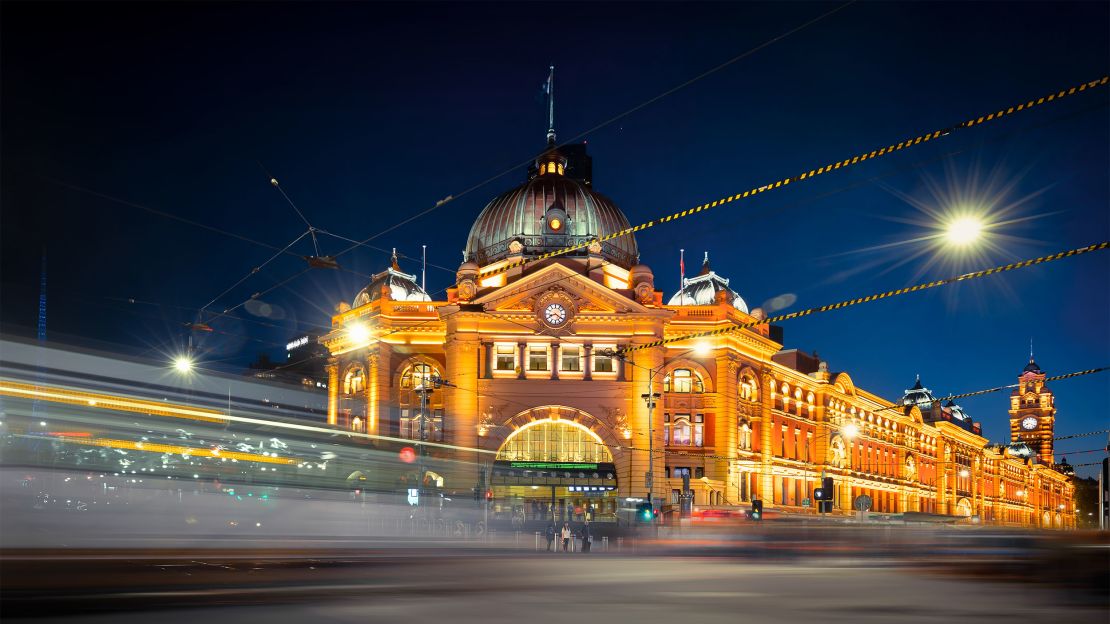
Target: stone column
{"points": [[460, 405], [555, 361], [372, 390], [726, 418], [522, 359], [490, 350], [333, 390], [943, 453], [588, 364], [766, 485]]}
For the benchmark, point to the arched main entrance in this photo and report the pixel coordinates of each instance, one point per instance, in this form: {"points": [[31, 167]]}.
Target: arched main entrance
{"points": [[554, 467]]}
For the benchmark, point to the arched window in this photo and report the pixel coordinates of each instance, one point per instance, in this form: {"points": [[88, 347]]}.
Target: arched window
{"points": [[555, 441], [748, 390], [684, 381], [684, 429], [421, 414], [356, 424], [354, 381], [745, 437]]}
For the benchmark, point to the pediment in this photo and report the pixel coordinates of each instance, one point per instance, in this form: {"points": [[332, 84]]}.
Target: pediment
{"points": [[588, 296]]}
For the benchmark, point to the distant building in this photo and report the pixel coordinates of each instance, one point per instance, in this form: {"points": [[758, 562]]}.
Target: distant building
{"points": [[304, 364]]}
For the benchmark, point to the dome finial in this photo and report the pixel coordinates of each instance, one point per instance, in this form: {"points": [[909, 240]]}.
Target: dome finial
{"points": [[1030, 349], [705, 264], [396, 267]]}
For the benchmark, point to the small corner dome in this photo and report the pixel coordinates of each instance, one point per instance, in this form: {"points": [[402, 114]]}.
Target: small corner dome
{"points": [[702, 289], [1032, 367], [957, 412], [918, 395], [402, 286]]}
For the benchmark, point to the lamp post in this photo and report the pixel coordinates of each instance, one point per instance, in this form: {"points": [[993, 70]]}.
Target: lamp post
{"points": [[423, 390], [650, 398]]}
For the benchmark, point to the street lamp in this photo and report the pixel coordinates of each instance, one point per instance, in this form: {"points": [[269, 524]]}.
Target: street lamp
{"points": [[650, 398], [183, 364], [963, 230]]}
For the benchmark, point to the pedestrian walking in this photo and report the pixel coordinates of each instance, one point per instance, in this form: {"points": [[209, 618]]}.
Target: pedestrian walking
{"points": [[550, 536], [566, 536], [587, 538]]}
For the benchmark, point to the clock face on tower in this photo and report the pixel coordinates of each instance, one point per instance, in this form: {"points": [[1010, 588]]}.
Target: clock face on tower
{"points": [[1029, 423], [555, 314]]}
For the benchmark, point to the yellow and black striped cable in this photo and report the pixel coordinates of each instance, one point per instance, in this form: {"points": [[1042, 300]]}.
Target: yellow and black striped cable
{"points": [[869, 298], [847, 162]]}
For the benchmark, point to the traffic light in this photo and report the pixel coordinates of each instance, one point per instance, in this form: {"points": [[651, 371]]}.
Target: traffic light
{"points": [[644, 512], [819, 494], [757, 509], [489, 495]]}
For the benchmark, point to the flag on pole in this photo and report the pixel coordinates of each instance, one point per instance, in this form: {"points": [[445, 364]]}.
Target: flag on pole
{"points": [[546, 88], [681, 277]]}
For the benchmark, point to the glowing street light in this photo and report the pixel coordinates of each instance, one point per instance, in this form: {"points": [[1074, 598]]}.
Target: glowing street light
{"points": [[963, 230], [965, 473], [183, 364], [850, 430], [702, 349], [358, 333]]}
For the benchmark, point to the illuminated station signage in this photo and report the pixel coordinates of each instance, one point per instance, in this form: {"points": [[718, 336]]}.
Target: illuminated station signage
{"points": [[299, 342]]}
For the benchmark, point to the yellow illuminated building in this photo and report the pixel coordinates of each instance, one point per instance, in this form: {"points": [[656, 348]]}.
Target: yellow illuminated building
{"points": [[528, 354]]}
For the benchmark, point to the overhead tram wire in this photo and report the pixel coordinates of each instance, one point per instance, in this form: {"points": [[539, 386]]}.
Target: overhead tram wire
{"points": [[953, 397], [804, 200], [1082, 435], [869, 298], [450, 198], [812, 173]]}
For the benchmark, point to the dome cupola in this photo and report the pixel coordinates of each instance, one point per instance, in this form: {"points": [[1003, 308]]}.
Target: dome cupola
{"points": [[551, 211], [391, 284], [706, 289]]}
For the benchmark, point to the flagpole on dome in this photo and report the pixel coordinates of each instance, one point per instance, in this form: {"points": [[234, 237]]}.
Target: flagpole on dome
{"points": [[549, 89], [681, 277]]}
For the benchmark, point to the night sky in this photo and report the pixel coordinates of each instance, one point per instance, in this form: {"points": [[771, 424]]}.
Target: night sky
{"points": [[370, 113]]}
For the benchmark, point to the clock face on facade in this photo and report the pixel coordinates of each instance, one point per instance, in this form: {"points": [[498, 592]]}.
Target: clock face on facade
{"points": [[1029, 423], [555, 314]]}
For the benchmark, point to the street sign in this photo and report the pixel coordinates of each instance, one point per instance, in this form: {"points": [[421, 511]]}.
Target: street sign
{"points": [[805, 502], [862, 503], [648, 481]]}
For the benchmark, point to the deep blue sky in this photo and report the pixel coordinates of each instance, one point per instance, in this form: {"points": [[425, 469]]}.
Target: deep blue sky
{"points": [[368, 113]]}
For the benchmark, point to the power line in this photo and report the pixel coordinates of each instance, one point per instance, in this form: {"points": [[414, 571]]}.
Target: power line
{"points": [[812, 173], [869, 298], [607, 122]]}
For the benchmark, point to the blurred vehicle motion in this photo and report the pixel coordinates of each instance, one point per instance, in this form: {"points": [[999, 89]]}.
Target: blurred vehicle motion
{"points": [[126, 459]]}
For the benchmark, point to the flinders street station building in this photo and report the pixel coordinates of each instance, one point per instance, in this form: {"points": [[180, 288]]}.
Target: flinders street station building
{"points": [[524, 362]]}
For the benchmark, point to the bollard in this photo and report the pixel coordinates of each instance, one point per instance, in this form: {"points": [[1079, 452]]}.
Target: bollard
{"points": [[537, 540], [605, 543]]}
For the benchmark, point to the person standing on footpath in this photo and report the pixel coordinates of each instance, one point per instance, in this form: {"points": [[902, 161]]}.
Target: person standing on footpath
{"points": [[587, 539], [550, 536], [566, 536]]}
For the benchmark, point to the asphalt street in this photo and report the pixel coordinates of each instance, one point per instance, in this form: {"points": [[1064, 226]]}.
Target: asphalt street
{"points": [[543, 587]]}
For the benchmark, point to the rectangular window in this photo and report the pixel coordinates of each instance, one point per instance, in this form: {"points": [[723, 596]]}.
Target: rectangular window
{"points": [[571, 359], [699, 429], [666, 429], [699, 472], [676, 497], [603, 363], [537, 357], [795, 444], [678, 472], [506, 357]]}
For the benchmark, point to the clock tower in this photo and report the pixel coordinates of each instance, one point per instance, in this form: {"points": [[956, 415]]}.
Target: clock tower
{"points": [[1033, 413]]}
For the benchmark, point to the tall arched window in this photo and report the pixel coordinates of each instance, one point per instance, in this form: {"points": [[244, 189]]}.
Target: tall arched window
{"points": [[420, 412], [684, 381], [354, 381], [748, 390]]}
